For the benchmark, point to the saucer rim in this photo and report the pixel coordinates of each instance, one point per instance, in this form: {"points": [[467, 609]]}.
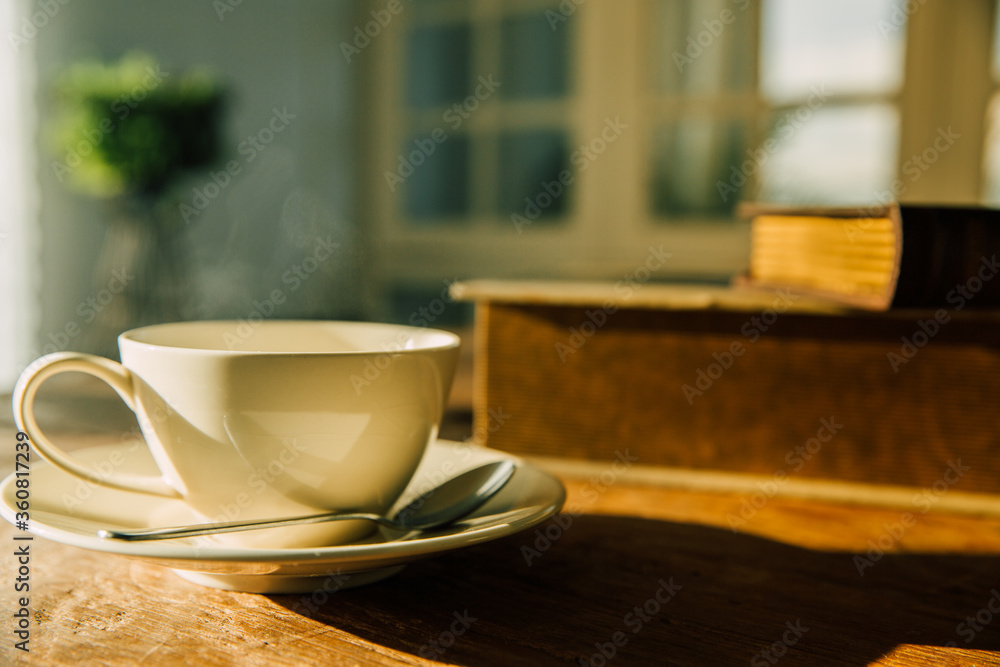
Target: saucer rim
{"points": [[410, 548]]}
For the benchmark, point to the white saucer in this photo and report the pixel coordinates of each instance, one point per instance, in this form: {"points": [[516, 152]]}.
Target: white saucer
{"points": [[68, 510]]}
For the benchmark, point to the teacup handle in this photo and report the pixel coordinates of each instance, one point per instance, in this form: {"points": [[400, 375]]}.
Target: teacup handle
{"points": [[118, 378]]}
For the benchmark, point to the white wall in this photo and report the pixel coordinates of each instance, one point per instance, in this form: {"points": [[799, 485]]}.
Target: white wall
{"points": [[301, 187], [19, 312]]}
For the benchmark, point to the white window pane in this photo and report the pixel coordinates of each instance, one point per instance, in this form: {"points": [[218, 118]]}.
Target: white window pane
{"points": [[848, 46], [842, 155]]}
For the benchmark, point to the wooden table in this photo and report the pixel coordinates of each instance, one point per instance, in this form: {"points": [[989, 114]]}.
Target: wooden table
{"points": [[644, 574]]}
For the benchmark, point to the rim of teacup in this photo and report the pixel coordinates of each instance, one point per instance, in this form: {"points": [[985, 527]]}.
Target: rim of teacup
{"points": [[427, 339]]}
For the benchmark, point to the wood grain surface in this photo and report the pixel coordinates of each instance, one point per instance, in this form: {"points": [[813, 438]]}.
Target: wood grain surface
{"points": [[792, 563]]}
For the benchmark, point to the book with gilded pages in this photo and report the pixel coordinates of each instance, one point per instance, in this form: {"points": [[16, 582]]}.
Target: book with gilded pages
{"points": [[879, 257]]}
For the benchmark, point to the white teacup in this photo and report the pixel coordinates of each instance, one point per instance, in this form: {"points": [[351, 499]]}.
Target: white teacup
{"points": [[280, 418]]}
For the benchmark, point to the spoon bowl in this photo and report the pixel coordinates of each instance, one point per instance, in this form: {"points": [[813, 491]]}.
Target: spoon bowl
{"points": [[450, 501]]}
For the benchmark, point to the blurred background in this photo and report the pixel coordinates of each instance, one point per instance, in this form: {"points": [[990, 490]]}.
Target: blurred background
{"points": [[349, 159]]}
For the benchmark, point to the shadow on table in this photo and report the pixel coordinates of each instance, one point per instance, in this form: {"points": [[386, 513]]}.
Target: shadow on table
{"points": [[639, 591]]}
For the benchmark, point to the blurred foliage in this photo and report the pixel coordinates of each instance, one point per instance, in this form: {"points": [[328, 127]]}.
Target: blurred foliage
{"points": [[132, 128]]}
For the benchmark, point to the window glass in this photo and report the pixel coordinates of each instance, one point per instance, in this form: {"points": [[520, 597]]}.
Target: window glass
{"points": [[438, 58], [830, 155], [819, 60], [703, 106], [848, 46], [693, 159], [437, 186], [427, 305], [530, 161], [535, 58]]}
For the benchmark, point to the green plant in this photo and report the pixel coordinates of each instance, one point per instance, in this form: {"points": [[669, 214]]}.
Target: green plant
{"points": [[131, 128]]}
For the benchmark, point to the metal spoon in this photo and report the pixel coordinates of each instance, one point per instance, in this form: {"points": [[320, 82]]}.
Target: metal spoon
{"points": [[455, 498]]}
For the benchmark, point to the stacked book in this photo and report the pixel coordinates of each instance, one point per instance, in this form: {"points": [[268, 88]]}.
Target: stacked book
{"points": [[863, 345], [880, 257]]}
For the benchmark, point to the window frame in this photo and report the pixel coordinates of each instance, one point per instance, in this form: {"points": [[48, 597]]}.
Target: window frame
{"points": [[609, 226]]}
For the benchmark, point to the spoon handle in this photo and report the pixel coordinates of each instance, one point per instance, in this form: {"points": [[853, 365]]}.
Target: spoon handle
{"points": [[233, 526]]}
